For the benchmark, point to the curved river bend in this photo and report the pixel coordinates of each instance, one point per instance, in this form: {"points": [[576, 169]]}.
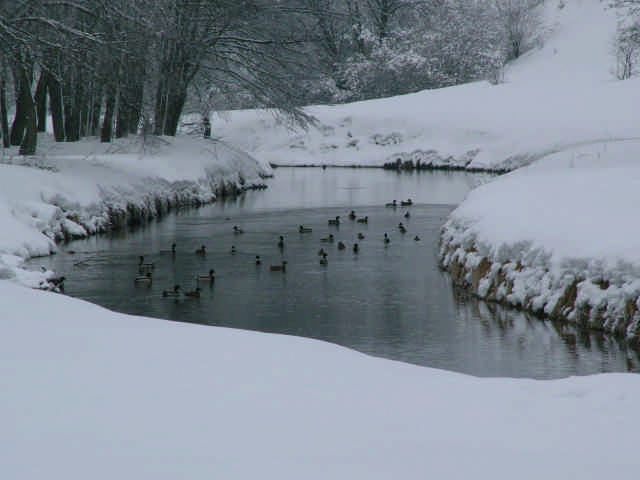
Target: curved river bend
{"points": [[390, 301]]}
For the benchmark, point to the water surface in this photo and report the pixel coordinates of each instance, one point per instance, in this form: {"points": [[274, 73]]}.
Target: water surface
{"points": [[390, 301]]}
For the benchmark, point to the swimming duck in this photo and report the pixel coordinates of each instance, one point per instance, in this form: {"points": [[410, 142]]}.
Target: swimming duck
{"points": [[392, 204], [324, 260], [335, 221], [402, 228], [386, 239], [363, 220], [193, 293], [258, 261], [172, 251], [328, 239], [143, 280], [360, 236], [207, 277], [321, 252], [356, 248], [341, 246], [303, 229], [202, 251], [352, 215], [144, 268], [281, 242], [407, 203], [237, 229], [233, 249], [406, 215], [416, 238], [176, 292], [279, 268]]}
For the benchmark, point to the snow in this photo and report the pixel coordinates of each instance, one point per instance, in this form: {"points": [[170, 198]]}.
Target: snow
{"points": [[92, 393], [555, 97], [71, 190], [89, 393]]}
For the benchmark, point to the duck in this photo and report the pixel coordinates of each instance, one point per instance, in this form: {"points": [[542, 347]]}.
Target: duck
{"points": [[258, 261], [303, 229], [407, 203], [202, 251], [416, 238], [193, 293], [402, 228], [281, 242], [363, 220], [279, 268], [176, 292], [352, 215], [144, 268], [57, 283], [233, 249], [360, 236], [172, 250], [341, 246], [237, 229], [386, 239], [392, 204], [328, 239], [141, 280], [406, 215], [321, 252], [356, 248], [324, 260], [207, 277], [335, 221]]}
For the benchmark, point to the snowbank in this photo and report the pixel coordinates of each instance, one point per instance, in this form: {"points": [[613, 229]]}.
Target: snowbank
{"points": [[89, 393], [72, 190], [559, 238], [554, 98]]}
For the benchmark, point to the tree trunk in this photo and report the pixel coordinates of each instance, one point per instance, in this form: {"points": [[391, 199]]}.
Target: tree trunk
{"points": [[55, 105], [4, 122], [71, 112], [175, 105], [25, 127], [40, 99], [19, 124], [105, 134]]}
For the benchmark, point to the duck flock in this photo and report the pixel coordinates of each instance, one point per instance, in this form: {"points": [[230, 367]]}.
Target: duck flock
{"points": [[144, 276]]}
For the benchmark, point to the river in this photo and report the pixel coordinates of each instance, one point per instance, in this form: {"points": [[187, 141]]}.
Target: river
{"points": [[389, 300]]}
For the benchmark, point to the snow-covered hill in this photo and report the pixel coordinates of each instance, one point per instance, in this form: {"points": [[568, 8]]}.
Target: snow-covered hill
{"points": [[555, 97]]}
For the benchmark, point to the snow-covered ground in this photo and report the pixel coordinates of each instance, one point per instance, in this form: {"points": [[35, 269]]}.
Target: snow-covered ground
{"points": [[88, 393], [74, 189], [554, 98]]}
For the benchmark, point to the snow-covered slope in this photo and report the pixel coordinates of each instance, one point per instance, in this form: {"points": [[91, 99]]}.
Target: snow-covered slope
{"points": [[75, 189], [88, 393], [553, 98]]}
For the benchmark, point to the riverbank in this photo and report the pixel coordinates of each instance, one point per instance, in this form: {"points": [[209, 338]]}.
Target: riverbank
{"points": [[558, 96], [558, 238], [92, 393], [72, 190]]}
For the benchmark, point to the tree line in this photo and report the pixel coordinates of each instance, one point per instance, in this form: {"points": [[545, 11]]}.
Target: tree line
{"points": [[110, 68]]}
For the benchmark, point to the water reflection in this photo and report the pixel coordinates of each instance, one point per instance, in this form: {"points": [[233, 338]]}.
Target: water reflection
{"points": [[544, 348]]}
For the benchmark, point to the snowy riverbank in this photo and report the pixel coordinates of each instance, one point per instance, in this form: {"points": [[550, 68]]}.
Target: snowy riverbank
{"points": [[73, 190], [558, 238], [92, 393]]}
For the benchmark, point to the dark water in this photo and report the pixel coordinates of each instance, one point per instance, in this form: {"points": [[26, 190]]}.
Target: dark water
{"points": [[390, 301]]}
